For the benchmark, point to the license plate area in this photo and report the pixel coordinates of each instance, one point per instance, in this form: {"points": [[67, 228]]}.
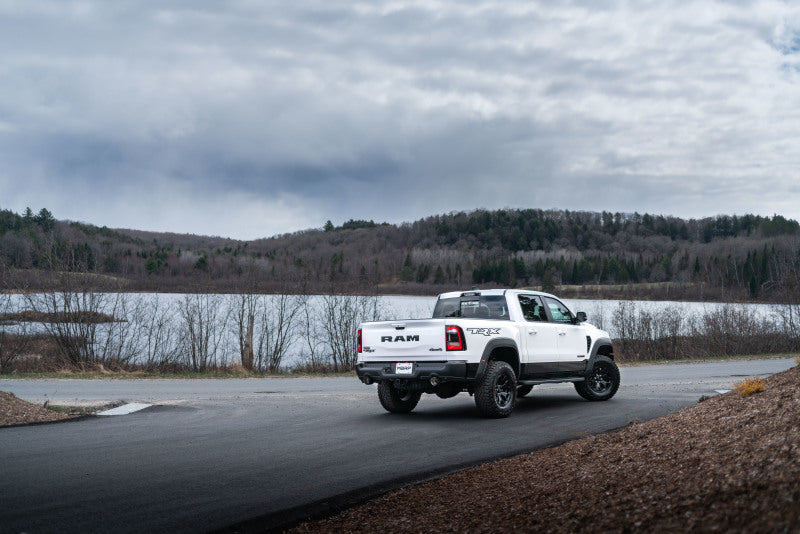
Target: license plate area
{"points": [[404, 368]]}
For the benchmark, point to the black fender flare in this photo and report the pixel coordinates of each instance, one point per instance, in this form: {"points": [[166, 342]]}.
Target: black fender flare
{"points": [[599, 343], [497, 343]]}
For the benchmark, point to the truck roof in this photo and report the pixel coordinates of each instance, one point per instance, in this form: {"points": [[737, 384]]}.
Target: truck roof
{"points": [[477, 292]]}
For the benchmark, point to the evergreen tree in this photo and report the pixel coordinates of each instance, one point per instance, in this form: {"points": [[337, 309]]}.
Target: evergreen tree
{"points": [[548, 281], [45, 219], [407, 272], [438, 276]]}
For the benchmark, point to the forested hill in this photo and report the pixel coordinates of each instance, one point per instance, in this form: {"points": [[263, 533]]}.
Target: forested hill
{"points": [[722, 257]]}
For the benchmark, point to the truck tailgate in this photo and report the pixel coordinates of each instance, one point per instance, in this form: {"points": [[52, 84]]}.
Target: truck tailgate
{"points": [[403, 340]]}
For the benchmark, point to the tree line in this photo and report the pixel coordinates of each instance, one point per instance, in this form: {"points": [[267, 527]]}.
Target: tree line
{"points": [[724, 257]]}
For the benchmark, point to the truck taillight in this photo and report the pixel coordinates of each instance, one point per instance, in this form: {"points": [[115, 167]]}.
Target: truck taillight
{"points": [[454, 338], [359, 340]]}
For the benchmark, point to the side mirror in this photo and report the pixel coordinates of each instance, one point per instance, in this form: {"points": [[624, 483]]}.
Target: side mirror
{"points": [[580, 317]]}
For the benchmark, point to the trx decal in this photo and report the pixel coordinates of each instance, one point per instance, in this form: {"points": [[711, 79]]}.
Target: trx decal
{"points": [[484, 331]]}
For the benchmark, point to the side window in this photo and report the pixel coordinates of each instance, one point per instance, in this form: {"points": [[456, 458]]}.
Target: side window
{"points": [[532, 308], [558, 311], [448, 310]]}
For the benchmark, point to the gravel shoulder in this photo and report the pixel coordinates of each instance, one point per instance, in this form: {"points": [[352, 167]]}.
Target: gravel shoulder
{"points": [[14, 411], [727, 464]]}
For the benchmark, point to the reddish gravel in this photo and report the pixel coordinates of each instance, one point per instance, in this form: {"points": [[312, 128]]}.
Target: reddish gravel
{"points": [[14, 411], [728, 464]]}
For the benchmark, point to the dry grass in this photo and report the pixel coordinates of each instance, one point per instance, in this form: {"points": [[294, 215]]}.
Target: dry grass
{"points": [[749, 386]]}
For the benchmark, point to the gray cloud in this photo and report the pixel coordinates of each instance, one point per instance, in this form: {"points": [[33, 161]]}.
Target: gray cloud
{"points": [[249, 119]]}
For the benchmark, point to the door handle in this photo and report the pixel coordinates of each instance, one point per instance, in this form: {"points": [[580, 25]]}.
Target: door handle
{"points": [[533, 332], [562, 333]]}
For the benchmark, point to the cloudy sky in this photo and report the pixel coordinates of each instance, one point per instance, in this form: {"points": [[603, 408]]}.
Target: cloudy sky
{"points": [[251, 118]]}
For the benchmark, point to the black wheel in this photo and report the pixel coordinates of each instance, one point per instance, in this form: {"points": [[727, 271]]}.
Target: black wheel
{"points": [[496, 394], [397, 400], [602, 381], [523, 390]]}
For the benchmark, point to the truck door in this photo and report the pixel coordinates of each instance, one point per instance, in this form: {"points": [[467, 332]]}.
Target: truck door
{"points": [[571, 336], [540, 337]]}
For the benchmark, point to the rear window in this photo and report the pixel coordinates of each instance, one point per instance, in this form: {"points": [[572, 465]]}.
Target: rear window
{"points": [[477, 306]]}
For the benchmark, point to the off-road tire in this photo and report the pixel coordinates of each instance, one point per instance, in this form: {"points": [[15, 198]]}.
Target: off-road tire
{"points": [[523, 390], [397, 401], [601, 382], [496, 394]]}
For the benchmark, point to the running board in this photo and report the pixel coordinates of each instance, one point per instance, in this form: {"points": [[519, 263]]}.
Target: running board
{"points": [[537, 382]]}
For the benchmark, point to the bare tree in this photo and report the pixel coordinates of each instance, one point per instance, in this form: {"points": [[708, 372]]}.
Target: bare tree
{"points": [[278, 321], [310, 327], [12, 344], [244, 308], [204, 319], [88, 327], [644, 334], [789, 317], [157, 347], [118, 342], [266, 327], [71, 317], [337, 319]]}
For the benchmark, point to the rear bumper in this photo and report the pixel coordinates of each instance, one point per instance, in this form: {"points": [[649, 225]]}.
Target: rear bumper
{"points": [[370, 372]]}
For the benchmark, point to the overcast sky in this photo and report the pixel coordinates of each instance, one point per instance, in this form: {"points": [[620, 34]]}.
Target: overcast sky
{"points": [[251, 118]]}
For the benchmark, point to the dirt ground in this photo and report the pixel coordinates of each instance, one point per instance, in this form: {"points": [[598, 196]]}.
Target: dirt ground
{"points": [[14, 411], [727, 464]]}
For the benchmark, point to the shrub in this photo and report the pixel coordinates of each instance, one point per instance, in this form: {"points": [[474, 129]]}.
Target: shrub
{"points": [[749, 386]]}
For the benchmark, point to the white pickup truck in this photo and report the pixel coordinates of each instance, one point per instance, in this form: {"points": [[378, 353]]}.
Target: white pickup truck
{"points": [[495, 344]]}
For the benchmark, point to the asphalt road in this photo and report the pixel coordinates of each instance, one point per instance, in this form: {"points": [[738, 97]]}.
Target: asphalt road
{"points": [[250, 454]]}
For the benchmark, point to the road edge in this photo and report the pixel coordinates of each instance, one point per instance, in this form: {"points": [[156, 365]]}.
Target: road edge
{"points": [[283, 520]]}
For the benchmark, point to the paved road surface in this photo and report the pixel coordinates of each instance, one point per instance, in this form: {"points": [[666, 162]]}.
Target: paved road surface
{"points": [[217, 453]]}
